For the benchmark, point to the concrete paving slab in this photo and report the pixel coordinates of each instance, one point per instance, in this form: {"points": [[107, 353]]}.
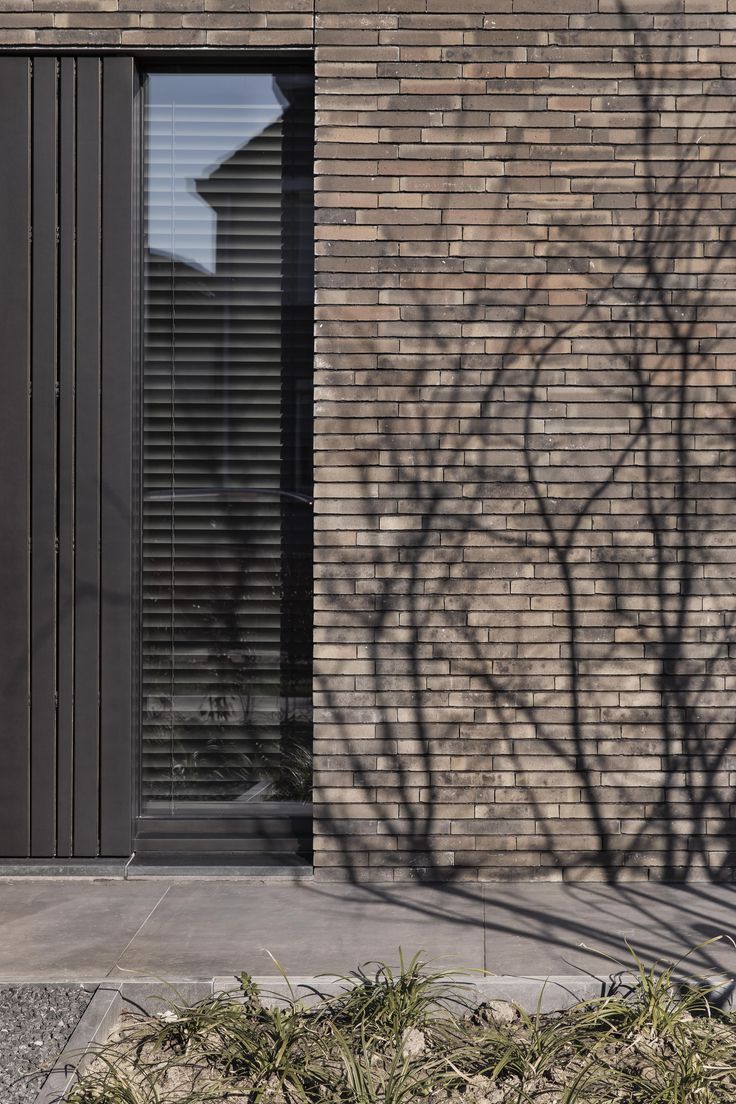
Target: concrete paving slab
{"points": [[224, 928], [85, 930], [558, 929], [58, 930]]}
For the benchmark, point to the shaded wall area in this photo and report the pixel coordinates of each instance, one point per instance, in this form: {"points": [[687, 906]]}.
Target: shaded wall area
{"points": [[525, 463]]}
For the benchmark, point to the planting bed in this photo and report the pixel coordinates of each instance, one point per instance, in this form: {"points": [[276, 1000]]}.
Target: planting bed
{"points": [[397, 1038], [35, 1024]]}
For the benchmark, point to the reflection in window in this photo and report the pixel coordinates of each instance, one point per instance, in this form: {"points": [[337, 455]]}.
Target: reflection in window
{"points": [[227, 481]]}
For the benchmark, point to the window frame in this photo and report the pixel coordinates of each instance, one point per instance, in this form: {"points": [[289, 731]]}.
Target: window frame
{"points": [[150, 833]]}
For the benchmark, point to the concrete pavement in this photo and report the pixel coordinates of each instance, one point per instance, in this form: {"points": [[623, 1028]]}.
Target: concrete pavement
{"points": [[176, 929]]}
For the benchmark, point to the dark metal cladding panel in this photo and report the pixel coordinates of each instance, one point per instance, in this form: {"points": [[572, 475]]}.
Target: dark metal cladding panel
{"points": [[44, 458], [116, 456], [15, 99], [65, 627], [87, 462]]}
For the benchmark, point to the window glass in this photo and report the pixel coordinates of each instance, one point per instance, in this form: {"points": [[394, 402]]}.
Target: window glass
{"points": [[227, 307]]}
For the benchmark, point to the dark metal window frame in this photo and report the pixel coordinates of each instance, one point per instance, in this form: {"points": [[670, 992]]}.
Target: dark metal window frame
{"points": [[147, 830]]}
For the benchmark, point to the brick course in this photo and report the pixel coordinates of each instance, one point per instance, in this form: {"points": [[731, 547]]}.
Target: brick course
{"points": [[525, 581]]}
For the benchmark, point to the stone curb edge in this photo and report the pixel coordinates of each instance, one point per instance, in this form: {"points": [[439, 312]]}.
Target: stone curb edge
{"points": [[100, 1018], [96, 1023], [549, 994]]}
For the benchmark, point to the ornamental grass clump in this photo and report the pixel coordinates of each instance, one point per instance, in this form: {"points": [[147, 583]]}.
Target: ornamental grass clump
{"points": [[411, 1034], [391, 1001]]}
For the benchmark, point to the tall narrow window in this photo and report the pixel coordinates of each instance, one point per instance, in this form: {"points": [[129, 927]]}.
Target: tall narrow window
{"points": [[227, 293]]}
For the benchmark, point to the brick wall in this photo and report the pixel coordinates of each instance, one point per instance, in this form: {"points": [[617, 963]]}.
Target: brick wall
{"points": [[163, 24], [525, 459], [525, 437]]}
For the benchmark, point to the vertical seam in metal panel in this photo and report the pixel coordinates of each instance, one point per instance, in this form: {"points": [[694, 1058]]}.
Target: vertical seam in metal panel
{"points": [[58, 466], [100, 126], [100, 250], [29, 439], [57, 433], [73, 440]]}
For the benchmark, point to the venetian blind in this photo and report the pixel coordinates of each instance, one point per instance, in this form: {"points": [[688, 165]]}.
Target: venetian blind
{"points": [[220, 391]]}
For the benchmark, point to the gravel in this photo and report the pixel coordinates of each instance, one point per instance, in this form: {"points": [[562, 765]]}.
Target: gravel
{"points": [[35, 1024]]}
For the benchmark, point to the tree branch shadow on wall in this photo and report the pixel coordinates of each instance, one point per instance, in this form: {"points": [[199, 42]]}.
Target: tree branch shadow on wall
{"points": [[599, 491]]}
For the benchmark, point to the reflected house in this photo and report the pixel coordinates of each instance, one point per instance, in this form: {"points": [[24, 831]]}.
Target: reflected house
{"points": [[233, 486]]}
